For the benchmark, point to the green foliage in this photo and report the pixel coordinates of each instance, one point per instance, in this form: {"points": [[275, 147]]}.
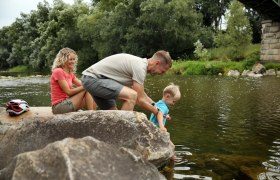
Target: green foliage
{"points": [[252, 56], [212, 11], [255, 22], [204, 67], [238, 34], [200, 52], [21, 69], [272, 66], [94, 31]]}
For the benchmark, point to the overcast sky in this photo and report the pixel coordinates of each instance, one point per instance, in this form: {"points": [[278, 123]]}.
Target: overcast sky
{"points": [[11, 9]]}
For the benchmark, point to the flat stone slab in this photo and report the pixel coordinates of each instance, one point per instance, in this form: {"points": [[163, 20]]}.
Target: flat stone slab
{"points": [[33, 112]]}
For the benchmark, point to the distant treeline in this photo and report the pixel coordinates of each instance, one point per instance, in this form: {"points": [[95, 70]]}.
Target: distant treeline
{"points": [[102, 28]]}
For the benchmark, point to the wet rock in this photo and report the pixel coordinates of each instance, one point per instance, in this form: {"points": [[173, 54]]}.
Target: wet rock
{"points": [[245, 72], [234, 73], [258, 68], [252, 74], [85, 158], [227, 166], [270, 72], [127, 129], [250, 172]]}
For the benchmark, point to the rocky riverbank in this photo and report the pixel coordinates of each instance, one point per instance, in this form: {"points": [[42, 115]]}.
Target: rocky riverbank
{"points": [[83, 145]]}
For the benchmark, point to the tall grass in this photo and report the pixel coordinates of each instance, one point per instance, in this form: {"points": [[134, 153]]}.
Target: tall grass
{"points": [[220, 63], [205, 67], [19, 69]]}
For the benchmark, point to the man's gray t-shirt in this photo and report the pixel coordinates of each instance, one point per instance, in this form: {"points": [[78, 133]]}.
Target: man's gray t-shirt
{"points": [[123, 68]]}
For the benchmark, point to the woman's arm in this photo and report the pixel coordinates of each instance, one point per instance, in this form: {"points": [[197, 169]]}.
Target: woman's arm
{"points": [[70, 92], [77, 82]]}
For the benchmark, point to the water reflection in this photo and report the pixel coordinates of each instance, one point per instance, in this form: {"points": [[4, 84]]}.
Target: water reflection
{"points": [[181, 168], [273, 163]]}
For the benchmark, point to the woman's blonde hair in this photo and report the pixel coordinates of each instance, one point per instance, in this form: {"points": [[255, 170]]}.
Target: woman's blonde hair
{"points": [[62, 57], [173, 90]]}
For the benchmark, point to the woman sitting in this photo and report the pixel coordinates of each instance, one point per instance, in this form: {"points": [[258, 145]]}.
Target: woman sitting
{"points": [[66, 98]]}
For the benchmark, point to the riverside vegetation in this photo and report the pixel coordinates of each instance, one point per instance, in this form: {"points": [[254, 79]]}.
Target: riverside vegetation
{"points": [[217, 63], [99, 29]]}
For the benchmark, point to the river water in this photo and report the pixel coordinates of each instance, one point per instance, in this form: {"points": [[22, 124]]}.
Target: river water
{"points": [[223, 127]]}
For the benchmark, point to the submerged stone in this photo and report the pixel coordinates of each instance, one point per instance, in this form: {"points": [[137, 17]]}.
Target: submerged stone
{"points": [[221, 166]]}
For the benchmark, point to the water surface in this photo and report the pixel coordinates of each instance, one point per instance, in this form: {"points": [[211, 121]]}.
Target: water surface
{"points": [[220, 118]]}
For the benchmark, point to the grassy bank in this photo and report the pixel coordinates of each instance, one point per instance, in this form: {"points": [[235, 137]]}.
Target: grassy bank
{"points": [[19, 69], [220, 62], [214, 67]]}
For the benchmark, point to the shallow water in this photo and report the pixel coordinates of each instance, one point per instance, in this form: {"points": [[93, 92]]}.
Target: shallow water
{"points": [[220, 118]]}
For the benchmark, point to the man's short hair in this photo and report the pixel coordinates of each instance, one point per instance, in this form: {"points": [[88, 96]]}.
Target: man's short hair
{"points": [[164, 57]]}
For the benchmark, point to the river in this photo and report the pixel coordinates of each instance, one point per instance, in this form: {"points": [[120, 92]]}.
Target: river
{"points": [[223, 127]]}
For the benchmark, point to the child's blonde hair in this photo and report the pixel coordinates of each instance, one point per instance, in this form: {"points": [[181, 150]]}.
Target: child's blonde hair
{"points": [[173, 90], [62, 57]]}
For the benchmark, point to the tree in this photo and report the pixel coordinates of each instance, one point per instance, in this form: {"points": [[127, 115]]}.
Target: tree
{"points": [[140, 27], [5, 47], [255, 22], [238, 34], [212, 11], [60, 30], [171, 25]]}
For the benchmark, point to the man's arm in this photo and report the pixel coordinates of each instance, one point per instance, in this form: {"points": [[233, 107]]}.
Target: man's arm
{"points": [[143, 100]]}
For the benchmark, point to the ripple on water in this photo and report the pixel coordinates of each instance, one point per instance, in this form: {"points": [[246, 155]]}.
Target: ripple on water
{"points": [[182, 166], [23, 81], [182, 176], [273, 163]]}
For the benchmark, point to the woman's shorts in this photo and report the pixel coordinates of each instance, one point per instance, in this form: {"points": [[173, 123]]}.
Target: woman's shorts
{"points": [[64, 106]]}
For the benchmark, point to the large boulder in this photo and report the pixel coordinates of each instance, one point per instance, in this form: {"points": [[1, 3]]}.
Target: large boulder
{"points": [[127, 129], [85, 158]]}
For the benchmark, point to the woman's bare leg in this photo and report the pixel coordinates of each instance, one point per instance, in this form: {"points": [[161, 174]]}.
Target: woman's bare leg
{"points": [[89, 102], [83, 99], [78, 100]]}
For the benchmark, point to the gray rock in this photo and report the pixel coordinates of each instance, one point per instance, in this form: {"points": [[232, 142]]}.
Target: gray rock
{"points": [[270, 72], [127, 129], [234, 73], [85, 158], [252, 74], [258, 68], [245, 72]]}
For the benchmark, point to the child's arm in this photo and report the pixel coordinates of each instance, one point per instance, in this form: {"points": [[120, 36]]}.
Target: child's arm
{"points": [[160, 121]]}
